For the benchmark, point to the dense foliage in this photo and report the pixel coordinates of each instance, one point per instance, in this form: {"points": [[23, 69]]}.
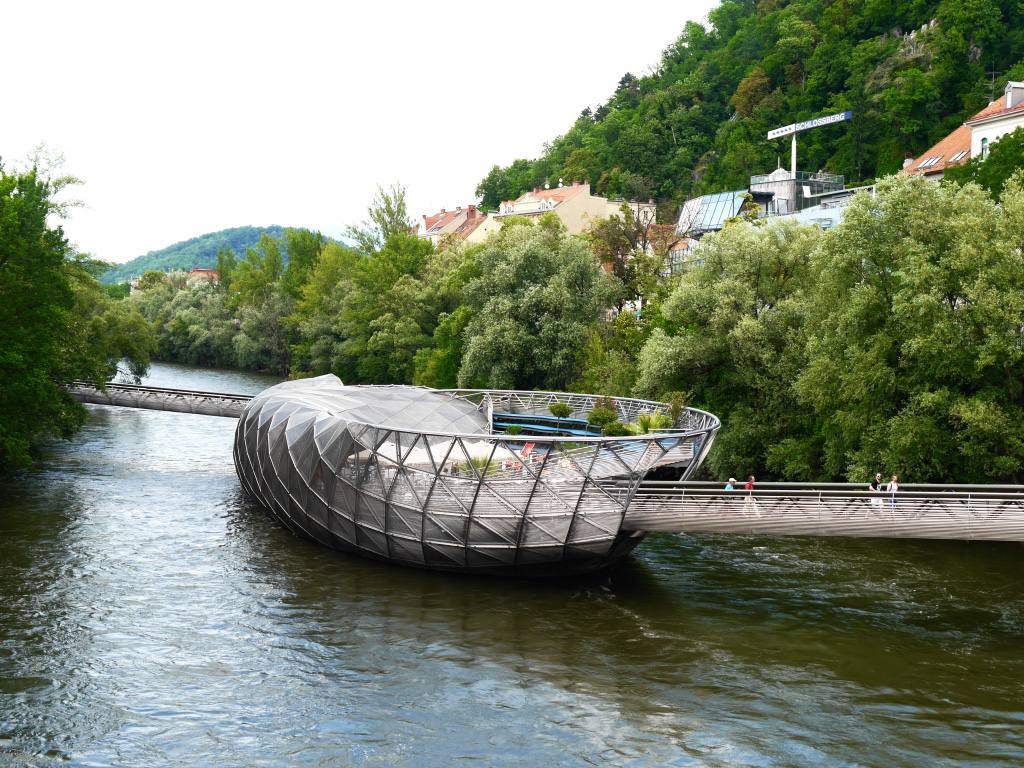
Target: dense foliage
{"points": [[195, 252], [58, 324], [393, 310], [910, 71], [893, 342], [538, 294]]}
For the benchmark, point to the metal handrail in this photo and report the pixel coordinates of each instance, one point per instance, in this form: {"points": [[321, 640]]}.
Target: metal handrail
{"points": [[142, 389]]}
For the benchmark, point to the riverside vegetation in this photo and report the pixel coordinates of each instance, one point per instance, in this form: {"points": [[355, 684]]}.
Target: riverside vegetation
{"points": [[892, 340]]}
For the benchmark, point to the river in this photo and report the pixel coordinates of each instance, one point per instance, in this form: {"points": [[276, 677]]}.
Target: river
{"points": [[150, 615]]}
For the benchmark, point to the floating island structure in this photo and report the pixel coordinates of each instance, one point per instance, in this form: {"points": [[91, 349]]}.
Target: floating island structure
{"points": [[481, 481]]}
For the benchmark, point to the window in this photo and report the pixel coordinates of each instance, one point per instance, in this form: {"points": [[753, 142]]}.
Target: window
{"points": [[958, 156], [930, 162], [984, 149]]}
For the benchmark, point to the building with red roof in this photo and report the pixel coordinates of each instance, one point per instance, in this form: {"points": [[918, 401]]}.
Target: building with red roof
{"points": [[459, 223], [573, 204], [203, 273], [972, 139]]}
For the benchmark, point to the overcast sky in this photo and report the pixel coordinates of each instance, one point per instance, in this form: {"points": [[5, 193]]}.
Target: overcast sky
{"points": [[187, 118]]}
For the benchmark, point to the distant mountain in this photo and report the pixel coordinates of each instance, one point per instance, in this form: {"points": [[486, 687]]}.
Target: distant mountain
{"points": [[197, 252]]}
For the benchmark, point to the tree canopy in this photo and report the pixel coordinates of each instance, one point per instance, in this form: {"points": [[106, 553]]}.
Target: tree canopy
{"points": [[59, 325], [1005, 158], [910, 71], [893, 342], [539, 293]]}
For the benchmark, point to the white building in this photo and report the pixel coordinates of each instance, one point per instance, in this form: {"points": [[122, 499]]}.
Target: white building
{"points": [[990, 125], [974, 137]]}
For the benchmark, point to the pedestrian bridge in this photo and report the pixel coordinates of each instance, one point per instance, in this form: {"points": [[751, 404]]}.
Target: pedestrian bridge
{"points": [[160, 398], [964, 512]]}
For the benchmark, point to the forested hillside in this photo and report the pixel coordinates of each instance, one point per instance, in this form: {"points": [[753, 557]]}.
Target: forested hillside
{"points": [[909, 70], [196, 252]]}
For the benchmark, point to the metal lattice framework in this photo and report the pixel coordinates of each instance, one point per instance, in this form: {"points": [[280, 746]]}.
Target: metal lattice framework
{"points": [[160, 398], [916, 511], [370, 470], [419, 476]]}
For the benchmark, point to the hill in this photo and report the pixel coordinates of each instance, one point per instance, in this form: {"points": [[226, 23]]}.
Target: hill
{"points": [[196, 252], [909, 70]]}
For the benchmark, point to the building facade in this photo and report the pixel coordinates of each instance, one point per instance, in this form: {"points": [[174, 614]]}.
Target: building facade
{"points": [[972, 139], [460, 223], [573, 204]]}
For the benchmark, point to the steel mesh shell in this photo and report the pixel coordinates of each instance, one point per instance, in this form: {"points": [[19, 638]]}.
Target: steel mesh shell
{"points": [[416, 476]]}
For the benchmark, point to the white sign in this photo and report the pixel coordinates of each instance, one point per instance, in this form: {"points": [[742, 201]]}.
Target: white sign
{"points": [[817, 122]]}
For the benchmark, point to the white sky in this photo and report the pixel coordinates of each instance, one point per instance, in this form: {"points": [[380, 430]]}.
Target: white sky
{"points": [[188, 117]]}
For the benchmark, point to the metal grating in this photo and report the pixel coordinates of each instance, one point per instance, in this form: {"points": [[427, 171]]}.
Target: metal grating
{"points": [[401, 488]]}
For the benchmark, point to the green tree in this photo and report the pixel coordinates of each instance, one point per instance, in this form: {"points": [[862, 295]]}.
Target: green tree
{"points": [[438, 365], [388, 216], [151, 280], [226, 263], [560, 411], [539, 293], [304, 248], [58, 324], [255, 278], [610, 355], [386, 314], [734, 336], [915, 354], [192, 325], [318, 338]]}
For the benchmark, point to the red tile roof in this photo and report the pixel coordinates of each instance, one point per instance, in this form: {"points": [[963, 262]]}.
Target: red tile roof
{"points": [[558, 194], [470, 224], [995, 109], [439, 220], [959, 141], [442, 219]]}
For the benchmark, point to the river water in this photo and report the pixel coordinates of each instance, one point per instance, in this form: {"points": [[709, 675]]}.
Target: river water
{"points": [[150, 615]]}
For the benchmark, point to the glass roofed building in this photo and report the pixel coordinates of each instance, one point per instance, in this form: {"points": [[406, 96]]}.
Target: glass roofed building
{"points": [[709, 213], [440, 479], [817, 198]]}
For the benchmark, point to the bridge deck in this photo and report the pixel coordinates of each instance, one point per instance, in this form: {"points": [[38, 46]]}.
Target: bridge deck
{"points": [[989, 512], [161, 399], [917, 511]]}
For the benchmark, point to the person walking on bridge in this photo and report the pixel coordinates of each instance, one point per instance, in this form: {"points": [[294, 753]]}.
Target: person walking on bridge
{"points": [[893, 488], [875, 486], [750, 503], [731, 485]]}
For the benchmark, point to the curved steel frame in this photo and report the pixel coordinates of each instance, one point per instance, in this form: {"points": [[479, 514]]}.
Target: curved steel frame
{"points": [[481, 502]]}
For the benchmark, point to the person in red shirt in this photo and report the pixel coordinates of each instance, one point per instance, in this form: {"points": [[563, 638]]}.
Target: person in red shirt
{"points": [[749, 486]]}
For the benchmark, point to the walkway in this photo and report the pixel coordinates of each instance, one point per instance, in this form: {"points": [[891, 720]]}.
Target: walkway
{"points": [[161, 399], [967, 512]]}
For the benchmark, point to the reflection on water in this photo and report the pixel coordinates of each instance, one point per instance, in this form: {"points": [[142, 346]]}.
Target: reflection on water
{"points": [[151, 616]]}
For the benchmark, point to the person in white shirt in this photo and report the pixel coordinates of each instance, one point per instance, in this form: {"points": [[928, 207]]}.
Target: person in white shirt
{"points": [[892, 488]]}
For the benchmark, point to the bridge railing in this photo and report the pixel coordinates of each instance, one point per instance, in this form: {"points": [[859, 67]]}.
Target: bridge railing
{"points": [[915, 511], [160, 398]]}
